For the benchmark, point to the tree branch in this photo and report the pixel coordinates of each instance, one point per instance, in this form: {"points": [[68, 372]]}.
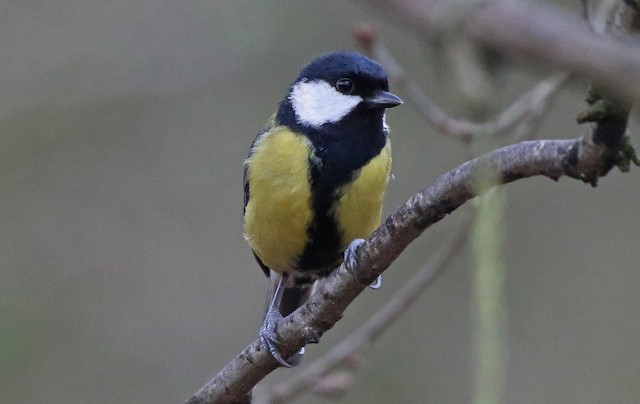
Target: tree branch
{"points": [[577, 158], [529, 106], [522, 27], [380, 321], [532, 29]]}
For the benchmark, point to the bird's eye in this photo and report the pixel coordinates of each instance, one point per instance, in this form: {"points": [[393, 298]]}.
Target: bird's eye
{"points": [[345, 86]]}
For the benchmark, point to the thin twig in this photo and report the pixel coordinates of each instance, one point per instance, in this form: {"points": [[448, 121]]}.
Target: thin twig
{"points": [[530, 106], [466, 74], [368, 332]]}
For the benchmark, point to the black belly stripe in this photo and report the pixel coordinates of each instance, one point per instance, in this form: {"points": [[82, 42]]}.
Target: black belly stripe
{"points": [[323, 247], [323, 250], [340, 151]]}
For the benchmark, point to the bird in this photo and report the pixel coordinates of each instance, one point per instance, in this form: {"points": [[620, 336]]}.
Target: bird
{"points": [[315, 179]]}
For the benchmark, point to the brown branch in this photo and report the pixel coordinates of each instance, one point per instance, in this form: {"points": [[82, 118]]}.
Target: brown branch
{"points": [[533, 29], [578, 158], [368, 332]]}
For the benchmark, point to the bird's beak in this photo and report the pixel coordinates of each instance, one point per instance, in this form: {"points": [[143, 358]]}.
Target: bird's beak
{"points": [[382, 99]]}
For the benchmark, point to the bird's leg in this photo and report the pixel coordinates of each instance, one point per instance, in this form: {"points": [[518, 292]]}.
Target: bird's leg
{"points": [[272, 317], [351, 260]]}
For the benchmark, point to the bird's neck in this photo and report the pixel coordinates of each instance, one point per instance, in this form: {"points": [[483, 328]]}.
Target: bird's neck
{"points": [[346, 145]]}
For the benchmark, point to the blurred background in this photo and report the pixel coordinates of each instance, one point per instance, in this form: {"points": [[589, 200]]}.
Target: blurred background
{"points": [[124, 276]]}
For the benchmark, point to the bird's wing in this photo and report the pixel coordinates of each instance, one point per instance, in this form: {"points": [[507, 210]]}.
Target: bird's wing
{"points": [[245, 172]]}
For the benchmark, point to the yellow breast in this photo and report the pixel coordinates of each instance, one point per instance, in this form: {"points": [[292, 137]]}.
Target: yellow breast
{"points": [[279, 209], [359, 208]]}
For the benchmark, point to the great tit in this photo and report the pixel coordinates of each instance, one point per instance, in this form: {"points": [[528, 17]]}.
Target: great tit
{"points": [[315, 179]]}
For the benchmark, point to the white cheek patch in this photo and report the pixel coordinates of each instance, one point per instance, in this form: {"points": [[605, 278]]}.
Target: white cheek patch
{"points": [[316, 103]]}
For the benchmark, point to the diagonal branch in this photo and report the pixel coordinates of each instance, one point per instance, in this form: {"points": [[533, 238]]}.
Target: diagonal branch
{"points": [[380, 321], [529, 106], [577, 158]]}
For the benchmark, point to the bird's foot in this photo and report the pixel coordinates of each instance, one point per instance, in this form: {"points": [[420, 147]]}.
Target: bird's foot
{"points": [[351, 260], [269, 338]]}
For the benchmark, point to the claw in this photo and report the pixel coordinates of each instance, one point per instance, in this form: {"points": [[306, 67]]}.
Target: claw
{"points": [[351, 260], [377, 283], [350, 257], [269, 338], [272, 318]]}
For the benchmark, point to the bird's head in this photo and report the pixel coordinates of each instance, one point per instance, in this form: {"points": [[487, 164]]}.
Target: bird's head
{"points": [[337, 87]]}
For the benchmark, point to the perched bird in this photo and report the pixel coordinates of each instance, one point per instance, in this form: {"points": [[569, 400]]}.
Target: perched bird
{"points": [[315, 179]]}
